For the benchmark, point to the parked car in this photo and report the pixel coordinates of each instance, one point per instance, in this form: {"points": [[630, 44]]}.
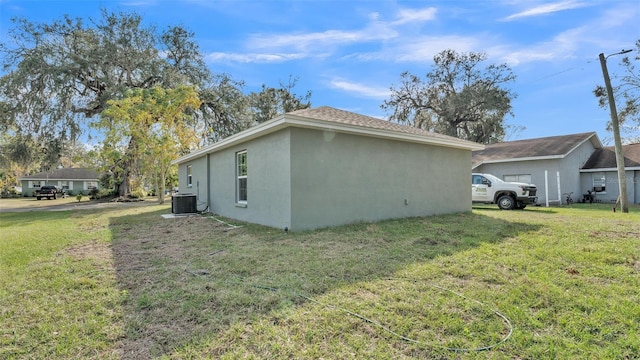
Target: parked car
{"points": [[50, 192], [489, 189]]}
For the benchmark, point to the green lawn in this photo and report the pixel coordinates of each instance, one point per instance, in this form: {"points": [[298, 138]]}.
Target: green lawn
{"points": [[125, 283]]}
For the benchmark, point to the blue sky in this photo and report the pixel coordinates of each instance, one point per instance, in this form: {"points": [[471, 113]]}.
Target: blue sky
{"points": [[348, 53]]}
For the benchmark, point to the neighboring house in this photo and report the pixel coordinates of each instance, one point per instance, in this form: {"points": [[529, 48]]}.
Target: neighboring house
{"points": [[74, 180], [577, 162], [322, 167], [601, 172]]}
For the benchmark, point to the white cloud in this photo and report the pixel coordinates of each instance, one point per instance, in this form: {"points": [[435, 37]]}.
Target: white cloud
{"points": [[323, 39], [360, 89], [609, 31], [547, 9], [252, 57], [415, 15]]}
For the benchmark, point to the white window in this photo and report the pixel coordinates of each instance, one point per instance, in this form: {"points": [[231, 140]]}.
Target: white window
{"points": [[241, 175], [189, 176], [523, 178], [599, 182], [35, 184], [89, 185], [67, 185]]}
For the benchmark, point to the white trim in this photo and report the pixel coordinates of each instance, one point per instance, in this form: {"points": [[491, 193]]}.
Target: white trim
{"points": [[85, 185], [592, 137], [530, 158], [190, 175], [288, 120], [240, 177], [634, 168]]}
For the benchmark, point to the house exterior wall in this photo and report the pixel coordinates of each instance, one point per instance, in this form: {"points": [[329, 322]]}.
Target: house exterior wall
{"points": [[305, 179], [636, 186], [268, 179], [568, 167], [612, 188], [198, 185], [339, 178]]}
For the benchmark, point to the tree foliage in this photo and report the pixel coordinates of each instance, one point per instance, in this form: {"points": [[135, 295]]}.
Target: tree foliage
{"points": [[62, 76], [148, 128], [59, 75], [627, 97], [271, 102], [457, 98]]}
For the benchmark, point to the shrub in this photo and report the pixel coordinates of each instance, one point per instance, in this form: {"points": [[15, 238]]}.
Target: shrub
{"points": [[138, 194], [103, 193], [94, 193], [79, 197]]}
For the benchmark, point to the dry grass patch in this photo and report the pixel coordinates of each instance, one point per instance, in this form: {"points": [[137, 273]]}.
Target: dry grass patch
{"points": [[128, 284]]}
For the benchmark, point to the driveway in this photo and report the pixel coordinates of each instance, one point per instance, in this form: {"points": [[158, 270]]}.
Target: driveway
{"points": [[32, 204]]}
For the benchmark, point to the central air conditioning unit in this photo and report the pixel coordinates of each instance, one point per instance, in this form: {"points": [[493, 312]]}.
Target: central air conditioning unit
{"points": [[183, 204]]}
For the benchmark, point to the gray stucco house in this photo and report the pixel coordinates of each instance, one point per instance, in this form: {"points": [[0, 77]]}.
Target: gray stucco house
{"points": [[577, 162], [322, 167], [74, 180], [601, 172]]}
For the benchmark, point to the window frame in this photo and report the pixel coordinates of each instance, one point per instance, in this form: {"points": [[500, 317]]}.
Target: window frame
{"points": [[518, 178], [189, 176], [90, 185], [602, 182], [65, 184], [242, 178]]}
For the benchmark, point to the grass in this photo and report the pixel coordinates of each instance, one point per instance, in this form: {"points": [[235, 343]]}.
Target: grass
{"points": [[116, 283]]}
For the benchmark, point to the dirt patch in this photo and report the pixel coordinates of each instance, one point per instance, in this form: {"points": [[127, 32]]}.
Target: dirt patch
{"points": [[95, 251], [156, 263]]}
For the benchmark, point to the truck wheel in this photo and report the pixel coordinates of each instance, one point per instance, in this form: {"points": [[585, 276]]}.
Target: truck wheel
{"points": [[38, 198], [506, 202]]}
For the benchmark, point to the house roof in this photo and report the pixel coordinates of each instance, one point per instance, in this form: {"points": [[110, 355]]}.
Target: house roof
{"points": [[552, 147], [64, 174], [331, 119], [605, 158]]}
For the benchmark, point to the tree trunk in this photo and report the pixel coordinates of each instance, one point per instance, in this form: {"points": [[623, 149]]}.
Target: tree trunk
{"points": [[162, 188], [125, 189]]}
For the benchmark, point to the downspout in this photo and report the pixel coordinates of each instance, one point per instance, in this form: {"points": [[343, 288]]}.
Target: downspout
{"points": [[208, 182]]}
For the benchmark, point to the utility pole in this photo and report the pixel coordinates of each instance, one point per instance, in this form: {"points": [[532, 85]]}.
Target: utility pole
{"points": [[622, 177]]}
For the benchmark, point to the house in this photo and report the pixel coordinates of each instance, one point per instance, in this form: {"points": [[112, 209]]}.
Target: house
{"points": [[560, 165], [322, 167], [601, 172], [74, 180], [552, 163]]}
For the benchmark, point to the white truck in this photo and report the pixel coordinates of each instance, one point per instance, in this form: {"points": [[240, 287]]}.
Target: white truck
{"points": [[488, 189]]}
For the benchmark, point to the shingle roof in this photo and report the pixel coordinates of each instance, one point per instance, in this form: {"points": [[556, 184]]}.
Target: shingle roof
{"points": [[546, 147], [328, 113], [328, 118], [64, 174], [605, 158]]}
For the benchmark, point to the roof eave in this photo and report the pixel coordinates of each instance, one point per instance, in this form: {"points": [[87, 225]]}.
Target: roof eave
{"points": [[288, 120], [627, 168], [319, 124], [531, 158], [246, 135]]}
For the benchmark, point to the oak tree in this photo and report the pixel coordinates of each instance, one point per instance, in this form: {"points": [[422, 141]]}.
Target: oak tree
{"points": [[458, 97]]}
